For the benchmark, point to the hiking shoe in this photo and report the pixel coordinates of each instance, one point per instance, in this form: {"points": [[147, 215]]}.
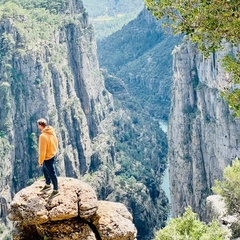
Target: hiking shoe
{"points": [[53, 194], [45, 188]]}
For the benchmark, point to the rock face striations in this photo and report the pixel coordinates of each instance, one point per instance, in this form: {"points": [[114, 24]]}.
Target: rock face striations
{"points": [[203, 136], [74, 214]]}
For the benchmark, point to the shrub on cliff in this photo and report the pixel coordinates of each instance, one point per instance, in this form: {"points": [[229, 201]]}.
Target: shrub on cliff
{"points": [[229, 188], [209, 24], [189, 227]]}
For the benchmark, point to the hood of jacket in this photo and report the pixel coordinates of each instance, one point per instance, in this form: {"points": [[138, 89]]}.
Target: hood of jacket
{"points": [[48, 130]]}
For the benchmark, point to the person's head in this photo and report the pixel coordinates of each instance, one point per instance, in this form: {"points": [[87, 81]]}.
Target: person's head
{"points": [[42, 123]]}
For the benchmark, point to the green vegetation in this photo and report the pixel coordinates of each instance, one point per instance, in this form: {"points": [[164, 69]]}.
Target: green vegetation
{"points": [[32, 142], [106, 25], [5, 109], [55, 7], [35, 20], [229, 189], [206, 22], [189, 227], [1, 229], [209, 24], [130, 54], [137, 62], [139, 154], [40, 20], [141, 150], [129, 44], [232, 93]]}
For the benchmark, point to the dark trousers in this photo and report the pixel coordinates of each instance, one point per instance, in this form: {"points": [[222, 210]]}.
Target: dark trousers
{"points": [[50, 173]]}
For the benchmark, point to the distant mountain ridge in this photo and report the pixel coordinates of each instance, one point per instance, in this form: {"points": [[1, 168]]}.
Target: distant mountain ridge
{"points": [[111, 7], [108, 16]]}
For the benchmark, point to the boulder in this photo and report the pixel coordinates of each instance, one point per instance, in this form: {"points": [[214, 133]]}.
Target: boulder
{"points": [[75, 213], [217, 210], [113, 221]]}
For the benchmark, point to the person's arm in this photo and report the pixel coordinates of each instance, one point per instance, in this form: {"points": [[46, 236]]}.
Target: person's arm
{"points": [[42, 149]]}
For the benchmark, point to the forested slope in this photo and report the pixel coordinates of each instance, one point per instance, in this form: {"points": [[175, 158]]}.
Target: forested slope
{"points": [[140, 54]]}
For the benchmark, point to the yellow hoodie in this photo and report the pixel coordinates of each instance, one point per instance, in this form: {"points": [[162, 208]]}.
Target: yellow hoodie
{"points": [[48, 144]]}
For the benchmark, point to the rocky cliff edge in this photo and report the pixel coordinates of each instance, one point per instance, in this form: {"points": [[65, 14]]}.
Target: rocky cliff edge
{"points": [[75, 213]]}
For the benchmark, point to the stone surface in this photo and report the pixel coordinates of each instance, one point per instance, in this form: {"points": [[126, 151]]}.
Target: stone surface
{"points": [[32, 206], [74, 214], [217, 210], [216, 207], [113, 221]]}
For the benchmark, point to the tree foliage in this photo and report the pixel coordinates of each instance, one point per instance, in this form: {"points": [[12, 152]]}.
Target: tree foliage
{"points": [[189, 227], [229, 188], [208, 23], [54, 7]]}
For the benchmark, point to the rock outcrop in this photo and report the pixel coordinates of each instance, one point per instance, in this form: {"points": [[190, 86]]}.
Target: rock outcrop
{"points": [[75, 213], [203, 136], [217, 210]]}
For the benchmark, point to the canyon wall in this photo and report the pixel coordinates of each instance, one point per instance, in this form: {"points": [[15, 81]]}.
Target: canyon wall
{"points": [[203, 135]]}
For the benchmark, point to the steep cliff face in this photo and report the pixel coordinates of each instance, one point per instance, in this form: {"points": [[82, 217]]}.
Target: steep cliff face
{"points": [[49, 69], [203, 136]]}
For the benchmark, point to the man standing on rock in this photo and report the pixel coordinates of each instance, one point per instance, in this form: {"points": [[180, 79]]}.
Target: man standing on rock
{"points": [[48, 145]]}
